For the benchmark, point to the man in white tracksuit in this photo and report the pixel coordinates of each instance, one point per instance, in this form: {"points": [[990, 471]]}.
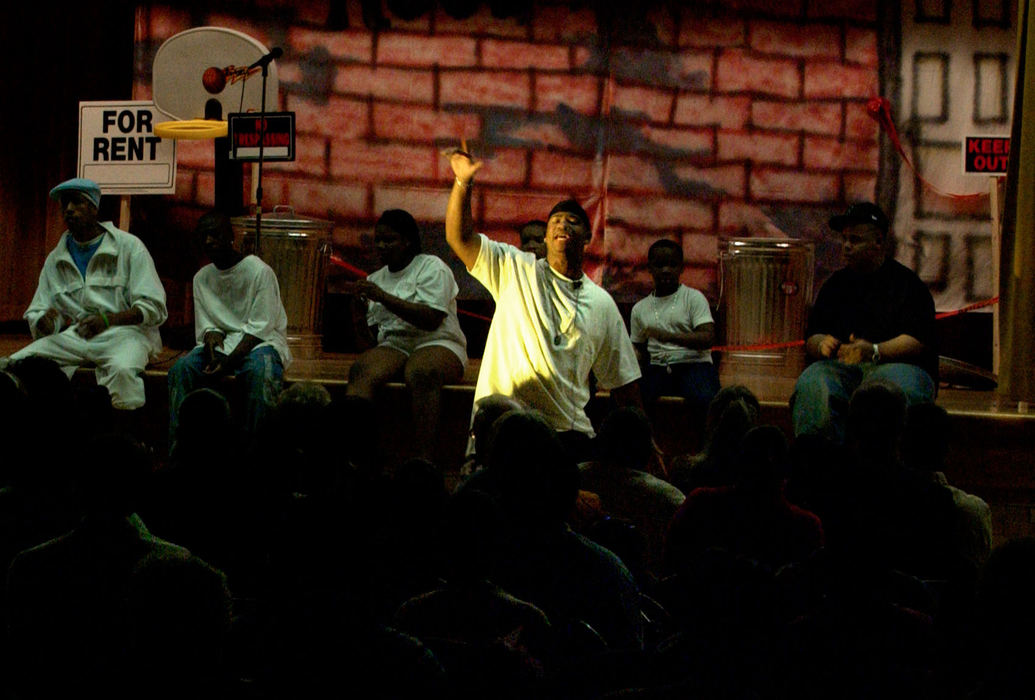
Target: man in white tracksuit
{"points": [[99, 300]]}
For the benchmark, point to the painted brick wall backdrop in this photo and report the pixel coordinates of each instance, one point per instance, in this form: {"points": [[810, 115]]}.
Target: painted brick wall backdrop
{"points": [[692, 122]]}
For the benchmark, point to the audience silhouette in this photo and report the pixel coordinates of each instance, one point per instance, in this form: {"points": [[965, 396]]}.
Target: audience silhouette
{"points": [[306, 564]]}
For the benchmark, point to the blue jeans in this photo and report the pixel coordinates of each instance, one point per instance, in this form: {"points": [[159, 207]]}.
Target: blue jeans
{"points": [[261, 373], [697, 382], [819, 404]]}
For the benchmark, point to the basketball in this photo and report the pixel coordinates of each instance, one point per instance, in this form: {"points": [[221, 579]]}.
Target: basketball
{"points": [[214, 80]]}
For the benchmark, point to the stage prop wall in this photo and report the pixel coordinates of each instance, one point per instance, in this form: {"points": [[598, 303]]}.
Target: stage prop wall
{"points": [[695, 122]]}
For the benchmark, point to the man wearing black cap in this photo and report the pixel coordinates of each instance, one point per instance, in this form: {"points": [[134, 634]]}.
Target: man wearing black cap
{"points": [[553, 326], [99, 300], [873, 319]]}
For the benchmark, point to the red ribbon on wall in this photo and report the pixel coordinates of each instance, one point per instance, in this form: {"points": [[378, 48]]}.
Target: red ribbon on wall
{"points": [[879, 109]]}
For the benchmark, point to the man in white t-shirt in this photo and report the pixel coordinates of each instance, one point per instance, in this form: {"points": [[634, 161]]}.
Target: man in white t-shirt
{"points": [[553, 326], [240, 325], [673, 332]]}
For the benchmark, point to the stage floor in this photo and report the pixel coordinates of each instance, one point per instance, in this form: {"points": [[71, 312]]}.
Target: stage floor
{"points": [[992, 440]]}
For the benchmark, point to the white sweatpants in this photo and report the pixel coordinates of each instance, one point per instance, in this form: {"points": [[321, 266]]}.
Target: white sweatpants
{"points": [[119, 355]]}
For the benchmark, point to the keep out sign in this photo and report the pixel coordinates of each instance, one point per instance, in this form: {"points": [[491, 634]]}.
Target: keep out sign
{"points": [[986, 155]]}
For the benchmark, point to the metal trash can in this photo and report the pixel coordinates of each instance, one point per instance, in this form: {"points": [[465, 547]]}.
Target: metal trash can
{"points": [[298, 250], [765, 289]]}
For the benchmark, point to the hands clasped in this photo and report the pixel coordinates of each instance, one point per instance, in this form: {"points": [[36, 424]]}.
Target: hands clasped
{"points": [[365, 290], [855, 351]]}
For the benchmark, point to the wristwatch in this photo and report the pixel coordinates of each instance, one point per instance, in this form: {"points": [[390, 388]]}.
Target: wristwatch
{"points": [[876, 353]]}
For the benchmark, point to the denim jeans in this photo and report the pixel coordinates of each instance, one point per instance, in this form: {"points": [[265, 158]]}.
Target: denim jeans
{"points": [[819, 404], [697, 382], [261, 373]]}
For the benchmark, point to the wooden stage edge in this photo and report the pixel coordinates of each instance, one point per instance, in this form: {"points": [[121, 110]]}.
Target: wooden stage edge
{"points": [[992, 440]]}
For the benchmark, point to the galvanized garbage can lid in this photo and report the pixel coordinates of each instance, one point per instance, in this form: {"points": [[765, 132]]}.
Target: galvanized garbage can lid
{"points": [[283, 221], [753, 245]]}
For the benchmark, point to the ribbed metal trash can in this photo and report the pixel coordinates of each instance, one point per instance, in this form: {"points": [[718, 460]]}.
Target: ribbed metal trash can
{"points": [[765, 288], [298, 250]]}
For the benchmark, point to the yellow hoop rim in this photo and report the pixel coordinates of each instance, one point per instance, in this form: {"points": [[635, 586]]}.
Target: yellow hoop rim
{"points": [[192, 129]]}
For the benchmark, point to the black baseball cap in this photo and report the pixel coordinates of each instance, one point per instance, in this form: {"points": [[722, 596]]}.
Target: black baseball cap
{"points": [[570, 206], [860, 213]]}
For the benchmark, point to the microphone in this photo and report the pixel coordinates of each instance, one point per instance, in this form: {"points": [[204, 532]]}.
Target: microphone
{"points": [[576, 284], [275, 53]]}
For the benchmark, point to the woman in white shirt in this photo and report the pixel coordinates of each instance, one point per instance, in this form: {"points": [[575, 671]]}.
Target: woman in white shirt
{"points": [[411, 305]]}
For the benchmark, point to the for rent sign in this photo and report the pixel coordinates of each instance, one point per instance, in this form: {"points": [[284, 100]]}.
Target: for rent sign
{"points": [[986, 155], [119, 151]]}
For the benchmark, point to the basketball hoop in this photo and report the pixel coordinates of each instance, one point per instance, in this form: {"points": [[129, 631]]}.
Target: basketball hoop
{"points": [[192, 129], [200, 75]]}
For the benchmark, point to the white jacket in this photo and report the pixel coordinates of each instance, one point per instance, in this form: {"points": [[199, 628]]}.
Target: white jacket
{"points": [[120, 275]]}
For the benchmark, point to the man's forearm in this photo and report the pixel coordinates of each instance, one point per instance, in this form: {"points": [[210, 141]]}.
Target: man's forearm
{"points": [[420, 315], [900, 348], [247, 344], [132, 316], [697, 339], [460, 234]]}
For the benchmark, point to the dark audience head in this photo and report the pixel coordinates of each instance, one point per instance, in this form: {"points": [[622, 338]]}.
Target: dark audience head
{"points": [[473, 535], [732, 412], [487, 411], [926, 440], [114, 473], [625, 539], [204, 421], [358, 431], [762, 463], [299, 438], [625, 438], [47, 386], [537, 479], [180, 619], [94, 413], [46, 423], [419, 489], [876, 419], [1006, 598], [14, 406]]}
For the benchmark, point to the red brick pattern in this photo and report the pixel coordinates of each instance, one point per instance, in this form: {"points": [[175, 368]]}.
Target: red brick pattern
{"points": [[715, 120]]}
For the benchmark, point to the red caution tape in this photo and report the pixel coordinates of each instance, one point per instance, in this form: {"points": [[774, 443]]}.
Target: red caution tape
{"points": [[765, 346], [879, 108], [970, 307], [338, 261]]}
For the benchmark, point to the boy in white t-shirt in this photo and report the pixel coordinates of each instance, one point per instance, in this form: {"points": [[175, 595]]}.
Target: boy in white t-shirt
{"points": [[672, 331], [240, 325]]}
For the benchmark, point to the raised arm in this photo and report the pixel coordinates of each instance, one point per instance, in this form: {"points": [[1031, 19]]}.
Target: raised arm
{"points": [[460, 234]]}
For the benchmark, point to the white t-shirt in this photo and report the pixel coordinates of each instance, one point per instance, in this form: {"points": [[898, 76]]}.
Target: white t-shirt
{"points": [[679, 312], [547, 334], [428, 281], [244, 299]]}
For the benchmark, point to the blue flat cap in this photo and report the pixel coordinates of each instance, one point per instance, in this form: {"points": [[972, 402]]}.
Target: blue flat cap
{"points": [[90, 189]]}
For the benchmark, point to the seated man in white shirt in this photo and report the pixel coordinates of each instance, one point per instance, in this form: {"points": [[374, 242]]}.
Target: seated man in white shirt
{"points": [[240, 325], [99, 300]]}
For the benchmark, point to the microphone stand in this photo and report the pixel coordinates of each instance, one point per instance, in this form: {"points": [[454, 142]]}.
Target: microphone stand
{"points": [[262, 139]]}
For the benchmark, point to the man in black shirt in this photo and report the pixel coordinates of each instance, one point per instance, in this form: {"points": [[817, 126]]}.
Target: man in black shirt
{"points": [[873, 319]]}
